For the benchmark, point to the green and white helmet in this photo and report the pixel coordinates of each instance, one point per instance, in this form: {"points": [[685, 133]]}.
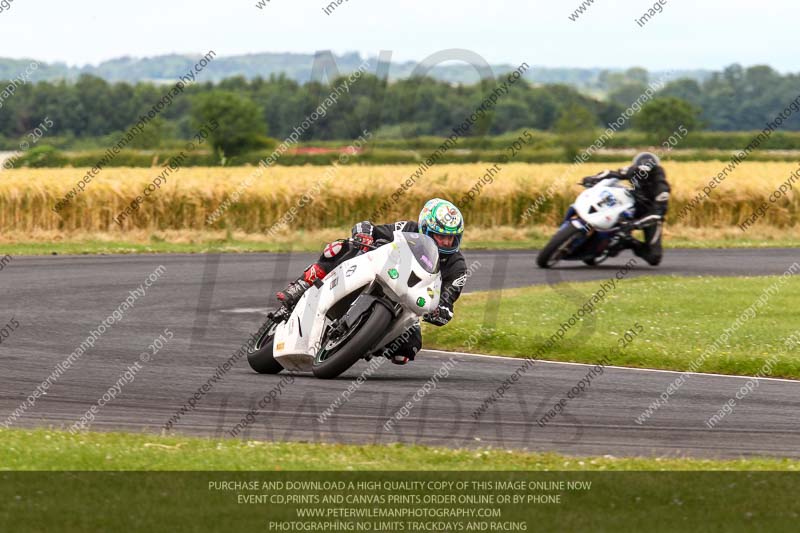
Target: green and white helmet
{"points": [[442, 218]]}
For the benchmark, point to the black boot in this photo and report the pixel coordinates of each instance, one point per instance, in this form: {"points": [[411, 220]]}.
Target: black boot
{"points": [[289, 296], [292, 293]]}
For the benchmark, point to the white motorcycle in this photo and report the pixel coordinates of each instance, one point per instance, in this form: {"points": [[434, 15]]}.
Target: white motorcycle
{"points": [[592, 227], [359, 308]]}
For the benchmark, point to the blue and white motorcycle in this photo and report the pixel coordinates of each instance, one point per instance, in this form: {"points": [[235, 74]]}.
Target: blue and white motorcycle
{"points": [[593, 227]]}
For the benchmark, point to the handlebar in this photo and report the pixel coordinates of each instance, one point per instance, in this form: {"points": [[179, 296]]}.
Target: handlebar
{"points": [[377, 244]]}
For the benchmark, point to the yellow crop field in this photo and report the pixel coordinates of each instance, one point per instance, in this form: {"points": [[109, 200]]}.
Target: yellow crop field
{"points": [[314, 197]]}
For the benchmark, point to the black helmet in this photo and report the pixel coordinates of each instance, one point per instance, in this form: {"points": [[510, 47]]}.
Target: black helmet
{"points": [[646, 159]]}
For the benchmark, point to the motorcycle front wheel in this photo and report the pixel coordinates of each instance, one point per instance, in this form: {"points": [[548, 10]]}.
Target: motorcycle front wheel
{"points": [[260, 355], [338, 355], [558, 246]]}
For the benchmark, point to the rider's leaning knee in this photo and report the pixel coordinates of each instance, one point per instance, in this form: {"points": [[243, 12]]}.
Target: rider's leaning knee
{"points": [[652, 257]]}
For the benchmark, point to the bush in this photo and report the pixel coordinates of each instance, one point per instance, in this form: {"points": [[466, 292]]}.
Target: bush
{"points": [[40, 157]]}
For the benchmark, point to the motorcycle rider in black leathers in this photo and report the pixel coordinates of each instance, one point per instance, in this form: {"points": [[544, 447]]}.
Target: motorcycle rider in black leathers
{"points": [[651, 193], [440, 220]]}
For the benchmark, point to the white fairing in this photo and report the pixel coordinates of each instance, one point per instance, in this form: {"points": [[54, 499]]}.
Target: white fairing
{"points": [[602, 205], [298, 340]]}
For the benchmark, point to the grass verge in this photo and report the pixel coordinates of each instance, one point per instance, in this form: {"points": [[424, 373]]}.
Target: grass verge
{"points": [[678, 318], [47, 450], [124, 482]]}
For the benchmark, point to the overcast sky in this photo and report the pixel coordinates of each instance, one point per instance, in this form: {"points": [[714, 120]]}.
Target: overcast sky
{"points": [[687, 34]]}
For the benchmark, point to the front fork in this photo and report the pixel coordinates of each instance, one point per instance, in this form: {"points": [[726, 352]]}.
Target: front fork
{"points": [[571, 217]]}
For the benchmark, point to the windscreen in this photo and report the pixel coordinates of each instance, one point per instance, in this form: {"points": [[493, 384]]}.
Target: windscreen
{"points": [[425, 251]]}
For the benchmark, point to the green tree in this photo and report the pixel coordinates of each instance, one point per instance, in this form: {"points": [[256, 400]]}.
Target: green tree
{"points": [[576, 119], [152, 136], [625, 95], [662, 116], [240, 123], [637, 75], [576, 125]]}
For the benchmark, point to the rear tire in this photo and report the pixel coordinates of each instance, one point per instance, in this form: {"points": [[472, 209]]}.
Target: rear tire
{"points": [[357, 346], [260, 356], [556, 248]]}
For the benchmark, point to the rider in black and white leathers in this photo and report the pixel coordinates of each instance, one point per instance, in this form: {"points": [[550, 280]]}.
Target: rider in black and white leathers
{"points": [[652, 201]]}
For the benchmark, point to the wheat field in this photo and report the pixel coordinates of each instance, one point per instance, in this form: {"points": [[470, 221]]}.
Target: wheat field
{"points": [[337, 196]]}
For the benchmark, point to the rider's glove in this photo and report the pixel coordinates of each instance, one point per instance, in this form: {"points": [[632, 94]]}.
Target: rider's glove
{"points": [[364, 227], [362, 235], [439, 317], [363, 241], [590, 181]]}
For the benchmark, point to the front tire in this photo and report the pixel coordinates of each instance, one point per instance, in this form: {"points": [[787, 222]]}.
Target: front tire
{"points": [[260, 356], [558, 246], [359, 343]]}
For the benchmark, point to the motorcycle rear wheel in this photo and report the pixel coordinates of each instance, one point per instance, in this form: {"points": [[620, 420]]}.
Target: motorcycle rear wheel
{"points": [[356, 346]]}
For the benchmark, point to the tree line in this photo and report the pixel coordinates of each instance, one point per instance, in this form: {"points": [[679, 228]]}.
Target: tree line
{"points": [[90, 108]]}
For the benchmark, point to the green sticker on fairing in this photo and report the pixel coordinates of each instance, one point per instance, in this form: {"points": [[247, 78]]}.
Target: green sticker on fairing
{"points": [[421, 301], [393, 273]]}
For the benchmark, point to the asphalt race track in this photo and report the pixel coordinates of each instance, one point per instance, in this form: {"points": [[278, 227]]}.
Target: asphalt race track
{"points": [[211, 303]]}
